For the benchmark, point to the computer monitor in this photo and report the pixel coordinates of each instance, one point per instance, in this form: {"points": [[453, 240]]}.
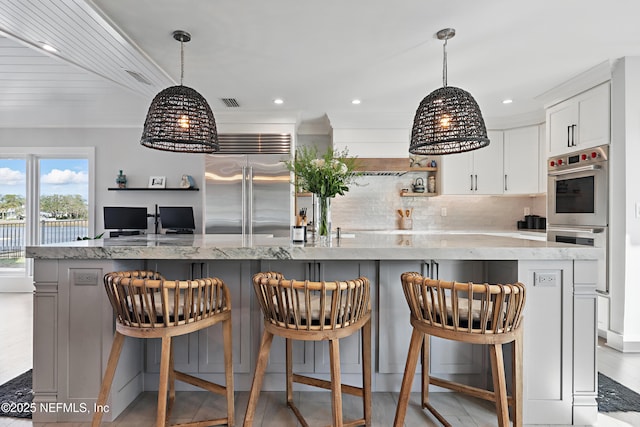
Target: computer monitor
{"points": [[177, 219], [127, 220]]}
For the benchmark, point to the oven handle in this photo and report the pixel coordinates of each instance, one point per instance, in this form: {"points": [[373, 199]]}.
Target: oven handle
{"points": [[597, 230], [574, 170]]}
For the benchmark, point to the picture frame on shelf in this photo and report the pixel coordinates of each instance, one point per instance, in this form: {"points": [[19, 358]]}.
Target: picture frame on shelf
{"points": [[157, 181]]}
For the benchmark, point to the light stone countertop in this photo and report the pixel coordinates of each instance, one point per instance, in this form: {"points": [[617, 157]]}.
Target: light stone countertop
{"points": [[358, 245]]}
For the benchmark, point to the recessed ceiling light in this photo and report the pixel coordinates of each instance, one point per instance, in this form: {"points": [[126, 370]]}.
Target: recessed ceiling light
{"points": [[355, 102], [49, 48], [278, 101], [507, 101]]}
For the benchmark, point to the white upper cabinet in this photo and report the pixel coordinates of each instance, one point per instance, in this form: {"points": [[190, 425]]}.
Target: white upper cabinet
{"points": [[521, 160], [475, 172], [580, 122]]}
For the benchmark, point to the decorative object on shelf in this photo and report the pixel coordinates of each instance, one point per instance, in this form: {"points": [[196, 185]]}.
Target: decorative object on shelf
{"points": [[121, 180], [179, 118], [448, 120], [418, 185], [326, 177], [416, 161], [431, 184], [157, 181], [187, 181]]}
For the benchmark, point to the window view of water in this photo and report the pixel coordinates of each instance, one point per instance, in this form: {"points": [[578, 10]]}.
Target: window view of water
{"points": [[62, 209], [13, 235]]}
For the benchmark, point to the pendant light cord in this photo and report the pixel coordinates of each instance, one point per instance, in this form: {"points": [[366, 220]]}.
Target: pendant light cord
{"points": [[444, 63], [182, 61]]}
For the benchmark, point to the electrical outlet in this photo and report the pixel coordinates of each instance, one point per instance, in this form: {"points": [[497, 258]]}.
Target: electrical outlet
{"points": [[85, 277], [527, 210], [443, 211], [637, 209], [546, 278]]}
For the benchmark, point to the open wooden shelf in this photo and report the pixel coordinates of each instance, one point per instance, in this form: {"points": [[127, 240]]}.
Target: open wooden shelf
{"points": [[423, 169]]}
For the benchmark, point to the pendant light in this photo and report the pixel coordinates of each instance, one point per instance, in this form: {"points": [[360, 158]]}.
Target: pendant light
{"points": [[179, 118], [448, 120]]}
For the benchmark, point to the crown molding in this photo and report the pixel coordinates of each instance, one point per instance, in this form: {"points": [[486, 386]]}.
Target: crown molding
{"points": [[579, 83]]}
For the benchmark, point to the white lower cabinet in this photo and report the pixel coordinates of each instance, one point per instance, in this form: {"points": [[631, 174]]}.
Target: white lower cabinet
{"points": [[447, 357]]}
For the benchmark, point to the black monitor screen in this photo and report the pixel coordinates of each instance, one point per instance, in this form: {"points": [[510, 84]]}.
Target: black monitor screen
{"points": [[122, 218], [177, 217]]}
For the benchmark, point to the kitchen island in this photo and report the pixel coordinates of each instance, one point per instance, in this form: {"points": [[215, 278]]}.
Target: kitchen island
{"points": [[73, 322]]}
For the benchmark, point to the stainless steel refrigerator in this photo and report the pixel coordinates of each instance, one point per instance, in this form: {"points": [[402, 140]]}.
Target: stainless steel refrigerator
{"points": [[248, 194]]}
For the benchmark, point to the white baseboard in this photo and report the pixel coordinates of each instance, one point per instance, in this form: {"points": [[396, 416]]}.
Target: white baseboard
{"points": [[616, 341]]}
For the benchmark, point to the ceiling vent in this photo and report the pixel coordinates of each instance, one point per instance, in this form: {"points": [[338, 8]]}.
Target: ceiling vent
{"points": [[139, 77], [254, 143], [230, 102]]}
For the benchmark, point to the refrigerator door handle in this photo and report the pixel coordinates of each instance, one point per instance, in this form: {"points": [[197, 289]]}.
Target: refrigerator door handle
{"points": [[250, 201], [244, 201]]}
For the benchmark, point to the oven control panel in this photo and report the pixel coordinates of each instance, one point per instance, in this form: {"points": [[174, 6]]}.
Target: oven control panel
{"points": [[579, 158]]}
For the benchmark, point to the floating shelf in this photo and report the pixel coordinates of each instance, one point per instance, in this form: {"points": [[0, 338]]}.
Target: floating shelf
{"points": [[418, 194], [423, 169], [151, 189]]}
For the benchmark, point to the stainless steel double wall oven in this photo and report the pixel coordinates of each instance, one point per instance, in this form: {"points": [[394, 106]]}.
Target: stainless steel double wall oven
{"points": [[578, 201]]}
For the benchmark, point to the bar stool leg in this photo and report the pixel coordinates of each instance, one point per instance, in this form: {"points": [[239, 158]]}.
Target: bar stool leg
{"points": [[336, 382], [112, 364], [407, 379], [517, 380], [172, 383], [228, 370], [161, 413], [263, 357], [424, 390], [289, 368], [366, 372], [499, 384]]}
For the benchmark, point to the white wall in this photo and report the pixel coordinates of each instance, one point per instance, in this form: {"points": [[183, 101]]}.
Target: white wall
{"points": [[118, 148], [624, 226]]}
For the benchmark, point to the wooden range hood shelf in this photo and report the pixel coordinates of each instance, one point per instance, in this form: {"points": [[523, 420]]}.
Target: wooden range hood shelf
{"points": [[388, 166]]}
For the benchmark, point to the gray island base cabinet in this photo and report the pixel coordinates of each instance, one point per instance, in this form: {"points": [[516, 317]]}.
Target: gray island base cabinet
{"points": [[73, 320]]}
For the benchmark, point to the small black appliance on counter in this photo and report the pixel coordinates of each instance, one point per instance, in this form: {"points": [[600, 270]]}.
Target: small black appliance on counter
{"points": [[532, 222]]}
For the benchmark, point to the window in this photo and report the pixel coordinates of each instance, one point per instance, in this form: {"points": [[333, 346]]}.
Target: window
{"points": [[44, 198]]}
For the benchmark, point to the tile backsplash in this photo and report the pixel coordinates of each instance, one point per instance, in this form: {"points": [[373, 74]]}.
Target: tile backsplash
{"points": [[373, 205]]}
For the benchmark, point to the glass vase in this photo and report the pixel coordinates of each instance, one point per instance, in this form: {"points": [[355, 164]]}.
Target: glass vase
{"points": [[324, 217]]}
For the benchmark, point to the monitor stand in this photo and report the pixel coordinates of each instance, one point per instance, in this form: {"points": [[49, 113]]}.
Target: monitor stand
{"points": [[124, 233], [179, 231]]}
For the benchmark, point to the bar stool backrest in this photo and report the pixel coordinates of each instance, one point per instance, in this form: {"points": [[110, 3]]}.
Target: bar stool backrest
{"points": [[464, 307], [312, 306], [145, 299]]}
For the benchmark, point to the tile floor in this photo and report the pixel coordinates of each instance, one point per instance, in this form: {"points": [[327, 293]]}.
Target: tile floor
{"points": [[272, 411]]}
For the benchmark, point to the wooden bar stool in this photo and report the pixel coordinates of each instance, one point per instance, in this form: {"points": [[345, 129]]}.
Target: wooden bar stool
{"points": [[314, 311], [472, 313], [148, 306]]}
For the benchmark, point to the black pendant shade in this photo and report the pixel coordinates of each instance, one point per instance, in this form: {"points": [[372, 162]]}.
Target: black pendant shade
{"points": [[179, 119], [447, 121]]}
